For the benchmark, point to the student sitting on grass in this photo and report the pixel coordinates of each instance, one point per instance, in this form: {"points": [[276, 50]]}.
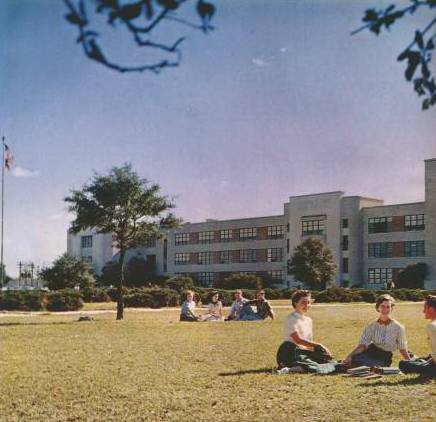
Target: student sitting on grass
{"points": [[425, 366], [188, 307], [263, 308], [380, 338], [237, 306], [214, 309], [298, 350]]}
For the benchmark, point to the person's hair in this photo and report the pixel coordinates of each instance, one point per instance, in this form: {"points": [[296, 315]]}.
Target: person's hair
{"points": [[430, 301], [299, 294], [189, 291], [238, 291], [384, 298], [260, 291]]}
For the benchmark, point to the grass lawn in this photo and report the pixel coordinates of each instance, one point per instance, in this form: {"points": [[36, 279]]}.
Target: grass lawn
{"points": [[151, 367]]}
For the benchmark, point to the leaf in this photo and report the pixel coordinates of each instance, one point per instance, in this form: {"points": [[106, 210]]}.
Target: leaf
{"points": [[95, 52], [370, 15], [169, 4], [413, 62], [403, 55], [426, 104], [430, 44], [130, 11], [419, 39], [74, 18], [390, 8]]}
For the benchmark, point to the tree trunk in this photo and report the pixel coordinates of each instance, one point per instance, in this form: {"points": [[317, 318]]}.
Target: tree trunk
{"points": [[120, 302]]}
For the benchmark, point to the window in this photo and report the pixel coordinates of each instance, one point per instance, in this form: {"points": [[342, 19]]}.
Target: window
{"points": [[182, 238], [311, 227], [150, 243], [275, 232], [205, 258], [345, 223], [87, 259], [379, 224], [206, 237], [274, 254], [380, 249], [182, 258], [379, 275], [247, 255], [248, 234], [345, 265], [345, 243], [287, 246], [288, 227], [205, 278], [225, 257], [414, 222], [414, 248], [86, 242], [226, 235], [276, 275]]}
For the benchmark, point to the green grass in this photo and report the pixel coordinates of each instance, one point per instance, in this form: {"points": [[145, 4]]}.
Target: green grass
{"points": [[151, 367]]}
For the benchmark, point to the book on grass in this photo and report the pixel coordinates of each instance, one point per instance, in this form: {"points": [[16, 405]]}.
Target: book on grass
{"points": [[387, 370], [359, 370]]}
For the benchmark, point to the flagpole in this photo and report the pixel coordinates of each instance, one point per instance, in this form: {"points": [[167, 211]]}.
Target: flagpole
{"points": [[3, 197]]}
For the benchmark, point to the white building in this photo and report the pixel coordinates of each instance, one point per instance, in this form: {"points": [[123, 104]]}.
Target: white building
{"points": [[370, 242]]}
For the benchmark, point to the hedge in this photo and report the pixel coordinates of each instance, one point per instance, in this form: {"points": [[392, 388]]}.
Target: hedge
{"points": [[151, 298], [38, 300]]}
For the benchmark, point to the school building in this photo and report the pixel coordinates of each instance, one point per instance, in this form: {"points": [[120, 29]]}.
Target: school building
{"points": [[370, 242]]}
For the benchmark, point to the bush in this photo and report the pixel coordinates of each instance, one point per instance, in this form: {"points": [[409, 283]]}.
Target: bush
{"points": [[179, 283], [95, 294], [151, 298], [21, 301], [63, 300], [112, 292], [240, 281], [412, 277]]}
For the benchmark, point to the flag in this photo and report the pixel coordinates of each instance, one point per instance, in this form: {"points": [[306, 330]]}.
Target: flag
{"points": [[9, 158]]}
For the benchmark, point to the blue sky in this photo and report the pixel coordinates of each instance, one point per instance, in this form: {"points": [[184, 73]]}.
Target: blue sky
{"points": [[278, 101]]}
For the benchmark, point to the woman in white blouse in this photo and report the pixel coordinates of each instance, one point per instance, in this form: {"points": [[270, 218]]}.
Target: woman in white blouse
{"points": [[298, 348], [214, 309], [380, 338]]}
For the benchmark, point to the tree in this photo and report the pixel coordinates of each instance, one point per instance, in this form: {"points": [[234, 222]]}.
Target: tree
{"points": [[141, 19], [240, 281], [412, 277], [67, 272], [125, 205], [418, 53], [109, 274], [139, 272], [6, 279], [312, 263]]}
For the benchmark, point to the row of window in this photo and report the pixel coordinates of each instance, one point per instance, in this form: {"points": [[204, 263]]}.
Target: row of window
{"points": [[228, 257], [379, 275], [410, 248], [312, 227], [227, 235], [412, 222]]}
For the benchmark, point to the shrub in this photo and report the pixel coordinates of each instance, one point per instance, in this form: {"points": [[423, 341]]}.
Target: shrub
{"points": [[179, 283], [95, 294], [21, 301], [151, 298], [240, 281], [413, 276], [63, 300]]}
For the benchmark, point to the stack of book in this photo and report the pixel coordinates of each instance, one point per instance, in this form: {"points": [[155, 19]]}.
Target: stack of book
{"points": [[361, 371]]}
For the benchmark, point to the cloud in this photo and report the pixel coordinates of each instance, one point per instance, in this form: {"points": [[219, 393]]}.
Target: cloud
{"points": [[22, 172], [259, 62], [283, 50]]}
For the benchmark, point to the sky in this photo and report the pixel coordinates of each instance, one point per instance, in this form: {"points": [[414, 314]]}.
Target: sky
{"points": [[279, 100]]}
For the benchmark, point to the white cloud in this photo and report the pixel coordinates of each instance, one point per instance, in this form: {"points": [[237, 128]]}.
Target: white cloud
{"points": [[283, 50], [22, 172], [259, 62]]}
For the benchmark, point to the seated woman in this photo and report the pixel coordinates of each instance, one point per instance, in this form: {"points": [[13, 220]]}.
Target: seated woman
{"points": [[298, 350], [214, 309], [425, 366], [263, 309], [380, 338], [188, 307]]}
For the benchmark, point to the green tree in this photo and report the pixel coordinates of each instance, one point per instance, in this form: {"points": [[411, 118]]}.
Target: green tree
{"points": [[240, 281], [67, 272], [6, 279], [140, 272], [412, 277], [419, 52], [140, 19], [109, 274], [125, 205], [312, 263]]}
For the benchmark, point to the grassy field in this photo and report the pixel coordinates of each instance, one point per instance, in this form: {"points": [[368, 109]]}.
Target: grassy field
{"points": [[151, 367]]}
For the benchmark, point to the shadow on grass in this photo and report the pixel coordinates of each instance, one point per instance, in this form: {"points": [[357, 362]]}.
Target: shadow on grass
{"points": [[12, 324], [408, 381], [246, 372]]}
